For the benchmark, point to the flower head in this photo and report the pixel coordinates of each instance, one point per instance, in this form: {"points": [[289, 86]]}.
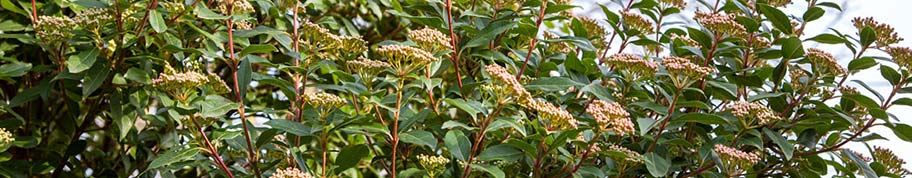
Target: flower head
{"points": [[366, 67], [632, 157], [680, 4], [885, 34], [290, 172], [430, 40], [678, 66], [596, 31], [508, 81], [745, 110], [637, 22], [720, 23], [778, 3], [559, 118], [632, 63], [322, 99], [93, 18], [54, 29], [5, 138], [824, 61], [686, 40], [434, 165], [611, 117], [736, 157], [237, 6], [892, 163], [180, 85], [901, 55], [405, 58], [216, 84]]}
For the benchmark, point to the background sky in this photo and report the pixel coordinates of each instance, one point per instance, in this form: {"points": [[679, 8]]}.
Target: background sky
{"points": [[893, 12]]}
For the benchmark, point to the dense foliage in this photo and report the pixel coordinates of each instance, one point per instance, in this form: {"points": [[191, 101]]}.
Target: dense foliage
{"points": [[440, 88]]}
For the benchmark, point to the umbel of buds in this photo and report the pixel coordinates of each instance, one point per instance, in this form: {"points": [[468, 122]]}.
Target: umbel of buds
{"points": [[323, 101], [901, 55], [405, 58], [824, 62], [237, 6], [745, 110], [54, 29], [736, 159], [631, 157], [557, 117], [434, 165], [637, 22], [885, 35], [366, 68], [611, 117], [5, 139], [595, 31], [180, 85], [290, 172], [507, 80], [686, 41], [93, 18], [430, 40], [632, 64], [891, 163], [682, 67], [720, 23]]}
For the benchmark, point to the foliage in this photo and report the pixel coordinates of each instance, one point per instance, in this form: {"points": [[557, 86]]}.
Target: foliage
{"points": [[407, 88]]}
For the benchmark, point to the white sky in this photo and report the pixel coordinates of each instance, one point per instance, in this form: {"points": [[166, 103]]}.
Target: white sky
{"points": [[893, 12]]}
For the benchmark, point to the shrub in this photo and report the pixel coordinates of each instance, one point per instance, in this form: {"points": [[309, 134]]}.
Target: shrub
{"points": [[390, 88]]}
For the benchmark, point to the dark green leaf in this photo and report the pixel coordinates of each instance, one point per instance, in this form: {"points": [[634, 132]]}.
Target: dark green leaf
{"points": [[553, 84], [703, 118], [868, 172], [503, 152], [890, 74], [244, 76], [350, 157], [173, 156], [464, 106], [419, 137], [257, 48], [458, 144], [14, 69], [292, 127], [96, 76], [784, 145], [792, 48], [157, 22], [867, 36], [657, 165], [902, 131], [828, 39], [813, 13], [862, 63], [83, 61], [489, 33], [777, 18], [216, 106]]}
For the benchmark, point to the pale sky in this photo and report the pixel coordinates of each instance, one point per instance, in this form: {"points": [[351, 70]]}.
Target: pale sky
{"points": [[893, 12]]}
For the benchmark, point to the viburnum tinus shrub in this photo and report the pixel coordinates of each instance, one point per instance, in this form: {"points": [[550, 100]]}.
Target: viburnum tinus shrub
{"points": [[390, 88]]}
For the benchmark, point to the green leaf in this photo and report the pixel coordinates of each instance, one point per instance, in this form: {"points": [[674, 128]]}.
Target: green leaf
{"points": [[762, 96], [489, 33], [83, 61], [553, 84], [173, 156], [863, 100], [827, 38], [493, 170], [862, 63], [216, 106], [155, 19], [657, 165], [902, 131], [903, 101], [813, 13], [257, 48], [792, 48], [867, 36], [868, 172], [204, 13], [292, 127], [595, 88], [784, 145], [14, 69], [244, 76], [503, 152], [777, 18], [703, 118], [138, 75], [349, 157], [464, 106], [94, 78], [890, 74], [458, 144], [419, 137]]}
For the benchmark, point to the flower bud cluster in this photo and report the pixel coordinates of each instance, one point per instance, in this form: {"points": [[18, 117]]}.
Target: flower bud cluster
{"points": [[736, 157], [631, 63], [901, 55], [744, 110], [366, 67], [237, 6], [54, 29], [508, 81], [891, 163], [430, 40], [5, 138], [290, 172], [637, 22], [824, 61], [720, 23], [611, 116], [778, 3], [405, 58], [686, 41], [678, 66], [885, 33], [632, 157], [596, 31], [434, 165], [93, 18], [322, 99], [557, 117]]}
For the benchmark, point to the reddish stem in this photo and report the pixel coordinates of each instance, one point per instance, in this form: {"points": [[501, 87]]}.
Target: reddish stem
{"points": [[534, 41], [454, 43]]}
